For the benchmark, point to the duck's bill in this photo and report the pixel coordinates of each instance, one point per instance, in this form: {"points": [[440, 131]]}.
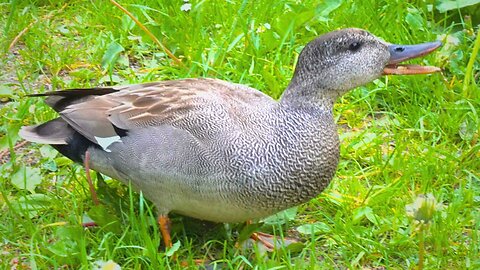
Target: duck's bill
{"points": [[409, 69], [401, 53]]}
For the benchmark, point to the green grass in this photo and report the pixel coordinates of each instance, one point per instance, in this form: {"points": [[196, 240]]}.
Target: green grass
{"points": [[401, 136]]}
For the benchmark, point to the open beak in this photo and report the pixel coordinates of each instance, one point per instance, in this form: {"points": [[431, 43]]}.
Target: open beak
{"points": [[400, 53]]}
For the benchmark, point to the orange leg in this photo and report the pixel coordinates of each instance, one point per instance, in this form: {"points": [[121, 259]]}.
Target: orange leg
{"points": [[89, 179], [270, 242], [164, 223], [262, 238]]}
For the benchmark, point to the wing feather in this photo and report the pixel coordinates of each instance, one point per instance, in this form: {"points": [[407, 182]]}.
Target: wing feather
{"points": [[170, 102]]}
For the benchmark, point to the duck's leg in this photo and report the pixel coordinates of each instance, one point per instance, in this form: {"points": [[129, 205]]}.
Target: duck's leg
{"points": [[86, 162], [95, 200], [164, 224], [163, 220], [262, 238], [271, 242], [267, 240]]}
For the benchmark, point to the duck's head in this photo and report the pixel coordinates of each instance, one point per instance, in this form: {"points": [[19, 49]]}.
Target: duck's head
{"points": [[341, 60]]}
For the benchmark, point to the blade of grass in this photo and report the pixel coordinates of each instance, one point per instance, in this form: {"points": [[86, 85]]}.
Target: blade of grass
{"points": [[13, 6], [468, 71]]}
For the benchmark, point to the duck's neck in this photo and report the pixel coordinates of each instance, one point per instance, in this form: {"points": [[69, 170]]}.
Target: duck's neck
{"points": [[306, 95]]}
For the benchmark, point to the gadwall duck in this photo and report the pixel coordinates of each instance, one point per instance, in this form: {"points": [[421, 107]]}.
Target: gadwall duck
{"points": [[220, 151]]}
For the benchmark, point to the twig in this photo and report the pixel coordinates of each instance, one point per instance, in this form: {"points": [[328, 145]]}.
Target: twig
{"points": [[46, 17], [17, 37], [145, 29]]}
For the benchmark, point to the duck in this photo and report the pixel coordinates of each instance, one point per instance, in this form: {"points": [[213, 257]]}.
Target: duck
{"points": [[221, 151]]}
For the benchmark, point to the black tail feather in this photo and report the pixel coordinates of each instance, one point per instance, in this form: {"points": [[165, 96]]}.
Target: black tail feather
{"points": [[61, 136], [59, 100]]}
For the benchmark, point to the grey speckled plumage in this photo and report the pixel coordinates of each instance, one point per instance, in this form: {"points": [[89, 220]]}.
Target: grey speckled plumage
{"points": [[215, 150]]}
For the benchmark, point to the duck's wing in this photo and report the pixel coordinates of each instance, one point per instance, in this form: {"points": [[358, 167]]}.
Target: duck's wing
{"points": [[103, 114]]}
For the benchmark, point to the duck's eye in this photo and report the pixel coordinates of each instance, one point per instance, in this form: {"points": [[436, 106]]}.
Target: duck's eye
{"points": [[354, 46]]}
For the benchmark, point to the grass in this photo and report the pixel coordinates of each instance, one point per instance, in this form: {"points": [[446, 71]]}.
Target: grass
{"points": [[401, 136]]}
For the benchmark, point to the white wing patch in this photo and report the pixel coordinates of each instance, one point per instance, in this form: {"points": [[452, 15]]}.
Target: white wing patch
{"points": [[105, 142]]}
